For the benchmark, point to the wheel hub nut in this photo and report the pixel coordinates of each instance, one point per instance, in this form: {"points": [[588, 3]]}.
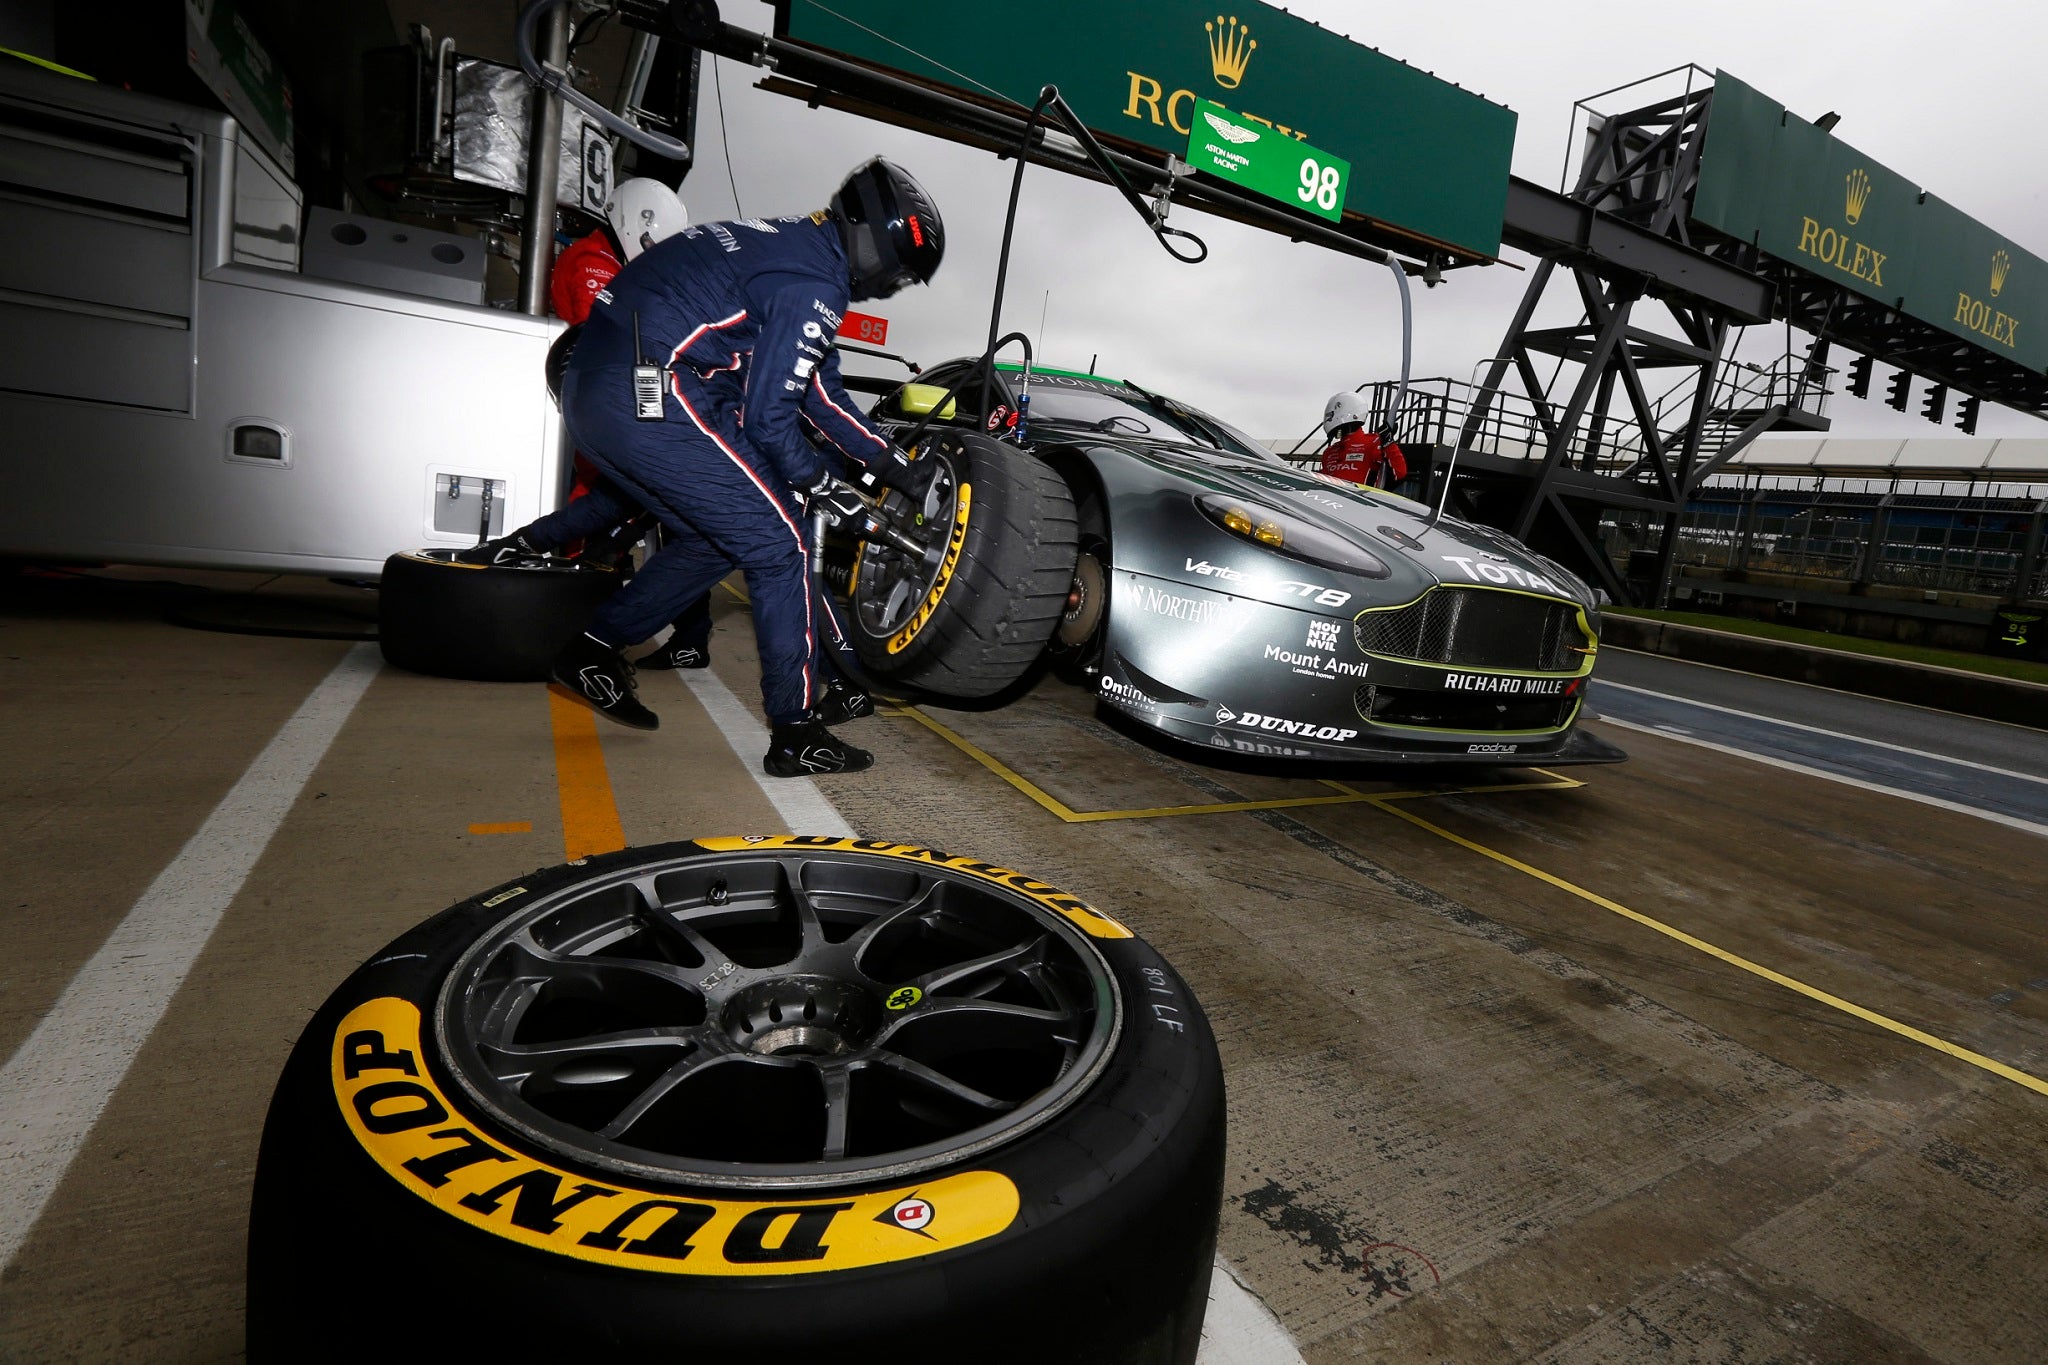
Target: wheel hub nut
{"points": [[801, 1016]]}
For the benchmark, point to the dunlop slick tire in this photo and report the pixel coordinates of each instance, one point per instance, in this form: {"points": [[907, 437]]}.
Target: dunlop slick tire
{"points": [[1106, 1260], [1006, 596], [482, 622]]}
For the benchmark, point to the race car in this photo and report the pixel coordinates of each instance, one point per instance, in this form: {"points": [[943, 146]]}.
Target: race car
{"points": [[1206, 588]]}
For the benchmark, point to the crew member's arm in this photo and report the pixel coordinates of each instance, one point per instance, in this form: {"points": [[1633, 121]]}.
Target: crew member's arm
{"points": [[796, 331]]}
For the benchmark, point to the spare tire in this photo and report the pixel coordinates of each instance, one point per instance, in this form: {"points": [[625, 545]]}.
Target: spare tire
{"points": [[771, 1099], [970, 616], [497, 622]]}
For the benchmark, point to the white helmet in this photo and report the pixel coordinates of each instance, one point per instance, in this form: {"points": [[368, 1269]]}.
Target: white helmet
{"points": [[1344, 410], [642, 212]]}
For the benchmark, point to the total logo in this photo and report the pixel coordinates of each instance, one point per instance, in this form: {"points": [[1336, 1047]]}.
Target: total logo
{"points": [[1321, 596], [1485, 571], [1302, 729]]}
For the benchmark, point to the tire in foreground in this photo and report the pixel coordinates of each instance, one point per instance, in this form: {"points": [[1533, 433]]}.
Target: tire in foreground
{"points": [[768, 1099]]}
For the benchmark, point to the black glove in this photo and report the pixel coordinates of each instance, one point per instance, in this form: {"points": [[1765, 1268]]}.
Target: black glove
{"points": [[839, 500], [912, 478]]}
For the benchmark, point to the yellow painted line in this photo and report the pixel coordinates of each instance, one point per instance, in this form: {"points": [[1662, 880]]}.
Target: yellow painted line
{"points": [[506, 827], [1977, 1059], [1344, 795], [590, 818]]}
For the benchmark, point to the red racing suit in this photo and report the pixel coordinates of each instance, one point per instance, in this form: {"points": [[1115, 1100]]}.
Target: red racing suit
{"points": [[1358, 456]]}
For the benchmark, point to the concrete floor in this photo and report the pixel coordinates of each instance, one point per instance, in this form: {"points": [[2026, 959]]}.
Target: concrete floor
{"points": [[1482, 1106]]}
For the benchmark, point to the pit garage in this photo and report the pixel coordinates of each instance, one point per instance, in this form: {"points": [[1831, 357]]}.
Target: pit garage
{"points": [[1734, 1050]]}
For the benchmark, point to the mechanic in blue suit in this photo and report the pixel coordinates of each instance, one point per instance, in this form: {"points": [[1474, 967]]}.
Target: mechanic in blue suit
{"points": [[736, 321]]}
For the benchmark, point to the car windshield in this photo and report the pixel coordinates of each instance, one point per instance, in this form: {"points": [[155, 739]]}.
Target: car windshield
{"points": [[1125, 409]]}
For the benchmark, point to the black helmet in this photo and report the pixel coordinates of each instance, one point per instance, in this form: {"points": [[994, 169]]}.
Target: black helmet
{"points": [[890, 229]]}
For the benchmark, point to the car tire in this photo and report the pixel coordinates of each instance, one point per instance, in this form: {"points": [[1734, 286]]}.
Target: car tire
{"points": [[970, 620], [470, 1152], [494, 623]]}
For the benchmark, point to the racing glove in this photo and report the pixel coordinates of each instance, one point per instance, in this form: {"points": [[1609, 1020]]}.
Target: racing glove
{"points": [[912, 478], [841, 503]]}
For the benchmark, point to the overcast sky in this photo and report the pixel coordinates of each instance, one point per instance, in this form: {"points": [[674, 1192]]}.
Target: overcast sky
{"points": [[1951, 96]]}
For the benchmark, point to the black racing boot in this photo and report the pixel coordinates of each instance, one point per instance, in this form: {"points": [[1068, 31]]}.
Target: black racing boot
{"points": [[596, 673], [673, 655], [841, 703], [807, 749], [504, 550]]}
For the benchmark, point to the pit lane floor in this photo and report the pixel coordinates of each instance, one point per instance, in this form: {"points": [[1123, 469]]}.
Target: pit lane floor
{"points": [[1484, 1104]]}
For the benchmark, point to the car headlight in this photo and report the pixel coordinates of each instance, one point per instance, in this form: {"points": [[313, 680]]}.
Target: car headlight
{"points": [[1291, 536]]}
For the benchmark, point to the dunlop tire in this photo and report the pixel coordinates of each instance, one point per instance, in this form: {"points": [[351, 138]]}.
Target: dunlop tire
{"points": [[490, 624], [1107, 1260], [1010, 587]]}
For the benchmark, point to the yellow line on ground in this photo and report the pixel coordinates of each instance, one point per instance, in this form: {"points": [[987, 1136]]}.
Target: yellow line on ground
{"points": [[590, 817], [1977, 1059], [505, 827]]}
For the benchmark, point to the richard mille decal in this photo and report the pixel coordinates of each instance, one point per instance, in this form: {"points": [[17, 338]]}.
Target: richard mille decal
{"points": [[1517, 687], [1328, 597], [1485, 571]]}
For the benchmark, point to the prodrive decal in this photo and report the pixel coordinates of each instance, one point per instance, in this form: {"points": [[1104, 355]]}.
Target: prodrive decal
{"points": [[405, 1122], [1083, 915]]}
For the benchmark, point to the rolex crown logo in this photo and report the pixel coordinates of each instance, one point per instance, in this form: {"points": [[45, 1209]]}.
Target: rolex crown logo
{"points": [[1859, 195], [1230, 50], [2001, 264]]}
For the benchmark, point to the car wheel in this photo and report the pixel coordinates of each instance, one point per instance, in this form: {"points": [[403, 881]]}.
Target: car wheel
{"points": [[498, 623], [969, 617], [769, 1099]]}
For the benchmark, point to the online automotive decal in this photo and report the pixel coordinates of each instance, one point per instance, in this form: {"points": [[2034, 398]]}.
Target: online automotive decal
{"points": [[405, 1122], [1123, 694], [1083, 915], [900, 641], [1327, 597]]}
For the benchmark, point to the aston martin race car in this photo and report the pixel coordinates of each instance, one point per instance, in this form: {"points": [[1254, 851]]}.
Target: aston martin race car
{"points": [[1206, 588]]}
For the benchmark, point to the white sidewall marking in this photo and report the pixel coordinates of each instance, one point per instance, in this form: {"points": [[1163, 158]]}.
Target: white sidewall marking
{"points": [[59, 1081]]}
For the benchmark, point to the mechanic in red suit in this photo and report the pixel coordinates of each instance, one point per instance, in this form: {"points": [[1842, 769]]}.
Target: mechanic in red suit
{"points": [[638, 213], [1355, 453]]}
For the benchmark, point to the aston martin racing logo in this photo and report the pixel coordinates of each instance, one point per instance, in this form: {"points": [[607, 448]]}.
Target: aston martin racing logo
{"points": [[1229, 131]]}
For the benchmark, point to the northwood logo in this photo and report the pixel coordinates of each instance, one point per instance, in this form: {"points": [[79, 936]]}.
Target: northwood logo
{"points": [[1230, 50]]}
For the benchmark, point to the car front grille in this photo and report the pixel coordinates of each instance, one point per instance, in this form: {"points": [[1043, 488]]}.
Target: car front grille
{"points": [[1477, 628]]}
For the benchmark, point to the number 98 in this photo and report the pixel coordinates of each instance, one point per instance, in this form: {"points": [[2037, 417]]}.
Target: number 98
{"points": [[1318, 184]]}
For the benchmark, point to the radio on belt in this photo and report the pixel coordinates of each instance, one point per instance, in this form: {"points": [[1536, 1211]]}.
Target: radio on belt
{"points": [[646, 381]]}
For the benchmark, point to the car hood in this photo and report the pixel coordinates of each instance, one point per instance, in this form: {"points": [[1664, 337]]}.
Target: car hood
{"points": [[1418, 553]]}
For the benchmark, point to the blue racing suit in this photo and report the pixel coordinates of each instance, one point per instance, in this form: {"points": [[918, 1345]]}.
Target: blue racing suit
{"points": [[742, 315]]}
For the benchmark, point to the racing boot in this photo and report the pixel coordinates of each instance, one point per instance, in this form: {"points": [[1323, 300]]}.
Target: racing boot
{"points": [[503, 550], [841, 703], [673, 655], [807, 749], [596, 673]]}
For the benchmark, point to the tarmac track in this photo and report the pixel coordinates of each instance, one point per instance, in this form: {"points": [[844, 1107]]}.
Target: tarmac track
{"points": [[1690, 1056]]}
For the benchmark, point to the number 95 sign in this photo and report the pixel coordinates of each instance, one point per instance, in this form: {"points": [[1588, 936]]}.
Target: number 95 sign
{"points": [[1260, 158]]}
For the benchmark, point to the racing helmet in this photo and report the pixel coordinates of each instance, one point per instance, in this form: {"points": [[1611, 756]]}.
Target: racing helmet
{"points": [[642, 212], [890, 229], [1346, 409]]}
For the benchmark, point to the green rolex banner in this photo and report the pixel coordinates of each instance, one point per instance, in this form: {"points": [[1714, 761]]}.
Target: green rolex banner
{"points": [[1414, 153]]}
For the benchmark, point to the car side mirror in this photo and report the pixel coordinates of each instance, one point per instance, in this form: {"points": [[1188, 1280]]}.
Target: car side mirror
{"points": [[918, 400]]}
